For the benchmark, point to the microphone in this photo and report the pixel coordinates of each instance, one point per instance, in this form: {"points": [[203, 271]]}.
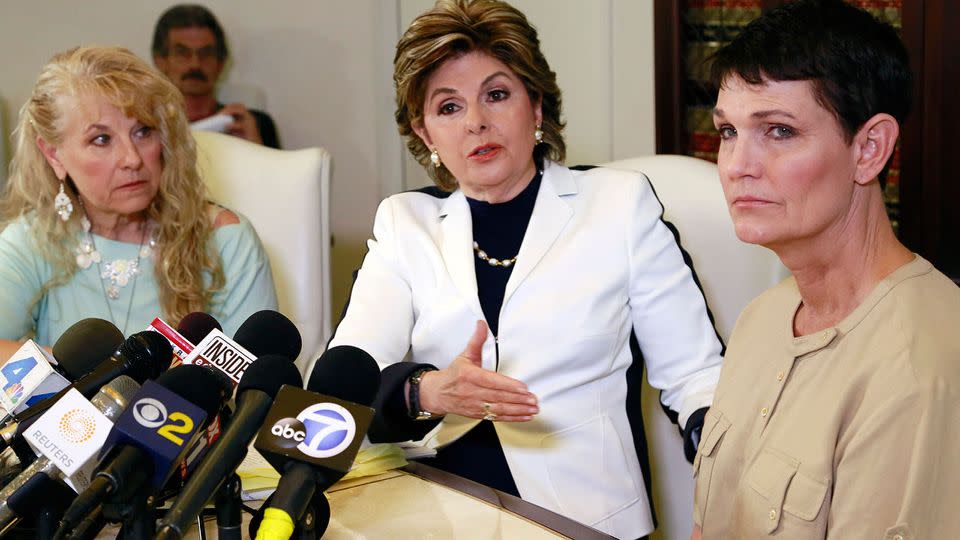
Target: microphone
{"points": [[25, 493], [144, 355], [195, 326], [26, 378], [311, 525], [269, 332], [84, 345], [150, 438], [256, 391], [313, 437], [76, 352]]}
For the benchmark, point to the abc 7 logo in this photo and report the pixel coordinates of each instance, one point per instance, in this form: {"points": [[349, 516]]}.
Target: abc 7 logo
{"points": [[320, 431], [149, 412]]}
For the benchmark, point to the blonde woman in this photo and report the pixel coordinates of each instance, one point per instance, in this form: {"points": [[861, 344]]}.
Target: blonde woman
{"points": [[104, 214]]}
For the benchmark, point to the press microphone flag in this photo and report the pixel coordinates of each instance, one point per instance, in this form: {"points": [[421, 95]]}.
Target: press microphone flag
{"points": [[312, 428], [69, 434], [19, 496], [28, 377], [161, 424], [181, 346], [219, 351]]}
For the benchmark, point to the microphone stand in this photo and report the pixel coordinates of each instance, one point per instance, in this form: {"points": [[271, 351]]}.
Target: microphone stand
{"points": [[229, 509], [137, 517]]}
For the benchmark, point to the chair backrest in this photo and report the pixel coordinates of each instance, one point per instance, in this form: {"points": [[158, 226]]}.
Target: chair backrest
{"points": [[731, 273], [285, 194]]}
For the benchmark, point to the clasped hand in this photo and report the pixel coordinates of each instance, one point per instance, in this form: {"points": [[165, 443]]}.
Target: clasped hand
{"points": [[467, 389]]}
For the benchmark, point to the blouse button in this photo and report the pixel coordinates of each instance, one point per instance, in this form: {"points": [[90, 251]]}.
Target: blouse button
{"points": [[763, 412], [779, 376], [898, 537], [773, 515]]}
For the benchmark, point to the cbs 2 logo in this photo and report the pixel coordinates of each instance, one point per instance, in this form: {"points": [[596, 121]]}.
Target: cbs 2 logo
{"points": [[151, 413]]}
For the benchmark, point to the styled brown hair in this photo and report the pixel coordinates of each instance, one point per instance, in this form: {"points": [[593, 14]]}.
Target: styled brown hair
{"points": [[453, 28], [188, 271]]}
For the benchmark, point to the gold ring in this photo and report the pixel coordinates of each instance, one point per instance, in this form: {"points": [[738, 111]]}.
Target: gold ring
{"points": [[488, 413]]}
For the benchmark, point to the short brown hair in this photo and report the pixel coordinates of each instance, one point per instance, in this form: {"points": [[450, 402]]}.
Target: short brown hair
{"points": [[453, 28]]}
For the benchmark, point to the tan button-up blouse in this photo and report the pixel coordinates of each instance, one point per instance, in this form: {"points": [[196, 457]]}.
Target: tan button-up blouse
{"points": [[851, 432]]}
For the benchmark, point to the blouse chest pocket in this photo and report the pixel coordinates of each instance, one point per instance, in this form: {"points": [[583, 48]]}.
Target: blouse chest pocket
{"points": [[715, 426], [784, 488]]}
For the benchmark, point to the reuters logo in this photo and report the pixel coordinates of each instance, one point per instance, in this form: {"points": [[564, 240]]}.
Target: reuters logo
{"points": [[77, 426]]}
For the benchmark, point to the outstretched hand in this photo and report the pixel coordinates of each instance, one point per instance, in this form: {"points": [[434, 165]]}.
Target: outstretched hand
{"points": [[467, 389]]}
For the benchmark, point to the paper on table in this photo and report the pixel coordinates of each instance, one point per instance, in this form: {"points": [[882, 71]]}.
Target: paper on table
{"points": [[259, 479]]}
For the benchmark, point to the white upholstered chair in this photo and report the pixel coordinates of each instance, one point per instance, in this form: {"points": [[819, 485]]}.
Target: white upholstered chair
{"points": [[285, 194], [731, 273]]}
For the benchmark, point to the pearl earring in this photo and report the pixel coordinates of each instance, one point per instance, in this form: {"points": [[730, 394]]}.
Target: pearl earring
{"points": [[435, 158], [62, 204], [538, 135]]}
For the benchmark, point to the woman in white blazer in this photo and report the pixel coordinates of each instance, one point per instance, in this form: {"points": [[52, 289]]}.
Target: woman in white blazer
{"points": [[508, 307]]}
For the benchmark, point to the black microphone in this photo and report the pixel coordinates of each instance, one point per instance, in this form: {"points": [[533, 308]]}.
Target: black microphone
{"points": [[27, 492], [78, 350], [260, 383], [269, 332], [84, 345], [144, 355], [313, 437], [150, 438], [196, 325]]}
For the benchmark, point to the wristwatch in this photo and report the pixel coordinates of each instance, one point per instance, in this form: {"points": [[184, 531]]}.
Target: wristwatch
{"points": [[414, 410]]}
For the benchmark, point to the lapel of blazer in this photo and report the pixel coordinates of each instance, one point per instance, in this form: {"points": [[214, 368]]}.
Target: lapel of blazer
{"points": [[456, 246], [551, 213]]}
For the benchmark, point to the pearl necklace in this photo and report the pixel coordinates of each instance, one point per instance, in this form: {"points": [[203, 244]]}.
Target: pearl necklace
{"points": [[482, 255], [118, 272]]}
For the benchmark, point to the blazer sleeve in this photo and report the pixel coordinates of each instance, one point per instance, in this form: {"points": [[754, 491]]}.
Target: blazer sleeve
{"points": [[379, 319], [680, 346]]}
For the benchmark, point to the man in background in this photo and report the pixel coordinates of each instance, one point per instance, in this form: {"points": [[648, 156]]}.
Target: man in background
{"points": [[189, 47]]}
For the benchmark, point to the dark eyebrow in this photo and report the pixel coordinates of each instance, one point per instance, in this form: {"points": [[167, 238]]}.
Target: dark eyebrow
{"points": [[718, 112], [484, 83]]}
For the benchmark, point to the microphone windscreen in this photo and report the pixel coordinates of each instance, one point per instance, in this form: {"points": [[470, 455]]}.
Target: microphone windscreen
{"points": [[268, 373], [195, 326], [269, 332], [84, 345], [348, 373], [206, 388], [149, 354]]}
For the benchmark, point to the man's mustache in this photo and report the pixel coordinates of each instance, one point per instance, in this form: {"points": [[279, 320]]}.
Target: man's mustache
{"points": [[195, 74]]}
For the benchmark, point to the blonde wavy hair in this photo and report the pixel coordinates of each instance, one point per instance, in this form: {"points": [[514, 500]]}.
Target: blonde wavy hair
{"points": [[453, 28], [183, 255]]}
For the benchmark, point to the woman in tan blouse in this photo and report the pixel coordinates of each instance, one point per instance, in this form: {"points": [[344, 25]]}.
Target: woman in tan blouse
{"points": [[836, 412]]}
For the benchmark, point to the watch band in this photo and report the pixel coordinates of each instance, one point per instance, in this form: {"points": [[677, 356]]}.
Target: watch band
{"points": [[414, 410]]}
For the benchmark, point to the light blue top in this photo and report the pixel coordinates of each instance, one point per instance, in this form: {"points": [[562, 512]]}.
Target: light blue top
{"points": [[248, 287]]}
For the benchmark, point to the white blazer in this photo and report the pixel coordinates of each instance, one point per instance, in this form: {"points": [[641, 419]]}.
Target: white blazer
{"points": [[596, 263]]}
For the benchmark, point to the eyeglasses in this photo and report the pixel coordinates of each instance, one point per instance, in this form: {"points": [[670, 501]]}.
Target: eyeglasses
{"points": [[204, 54]]}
